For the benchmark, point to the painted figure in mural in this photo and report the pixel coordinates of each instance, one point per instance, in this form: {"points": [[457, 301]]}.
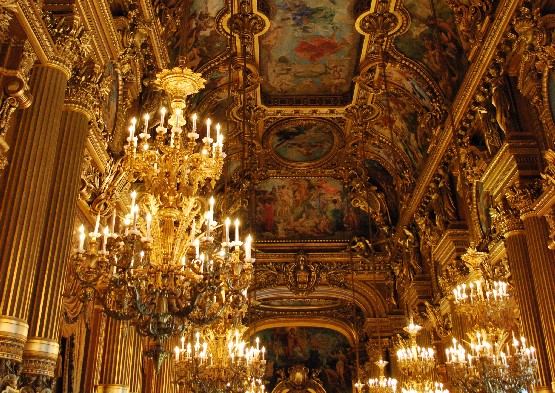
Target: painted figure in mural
{"points": [[340, 367]]}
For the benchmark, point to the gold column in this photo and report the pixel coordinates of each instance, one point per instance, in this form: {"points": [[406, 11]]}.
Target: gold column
{"points": [[93, 359], [166, 377], [24, 206], [525, 294], [41, 351], [136, 382], [542, 262], [116, 361]]}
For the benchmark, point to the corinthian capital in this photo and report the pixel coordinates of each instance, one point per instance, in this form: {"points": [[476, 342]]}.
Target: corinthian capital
{"points": [[71, 39], [83, 89], [521, 197]]}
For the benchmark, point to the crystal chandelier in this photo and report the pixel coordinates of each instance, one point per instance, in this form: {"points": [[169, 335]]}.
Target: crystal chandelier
{"points": [[492, 364], [217, 360], [489, 361], [382, 384], [435, 387], [417, 364], [485, 302], [163, 268]]}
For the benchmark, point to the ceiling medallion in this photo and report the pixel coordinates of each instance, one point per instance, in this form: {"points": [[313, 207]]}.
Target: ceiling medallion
{"points": [[302, 143], [302, 276]]}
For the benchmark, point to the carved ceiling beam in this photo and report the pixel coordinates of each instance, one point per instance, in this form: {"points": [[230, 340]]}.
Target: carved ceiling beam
{"points": [[473, 80], [159, 47], [104, 36], [30, 19]]}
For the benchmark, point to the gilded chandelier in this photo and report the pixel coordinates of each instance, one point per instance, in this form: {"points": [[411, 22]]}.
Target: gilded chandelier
{"points": [[163, 268], [490, 361], [218, 360], [417, 364], [381, 384]]}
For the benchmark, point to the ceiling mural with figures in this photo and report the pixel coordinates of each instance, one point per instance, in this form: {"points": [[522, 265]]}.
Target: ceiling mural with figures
{"points": [[310, 48]]}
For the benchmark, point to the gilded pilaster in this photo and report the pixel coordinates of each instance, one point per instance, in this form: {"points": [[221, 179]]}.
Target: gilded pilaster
{"points": [[165, 380], [44, 323], [91, 375], [24, 206], [542, 263], [524, 289], [117, 358]]}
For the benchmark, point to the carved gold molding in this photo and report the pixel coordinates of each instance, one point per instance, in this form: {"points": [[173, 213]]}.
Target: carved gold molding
{"points": [[461, 105], [13, 335], [114, 388]]}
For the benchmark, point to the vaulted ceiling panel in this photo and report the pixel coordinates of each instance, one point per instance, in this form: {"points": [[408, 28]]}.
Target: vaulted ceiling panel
{"points": [[310, 49]]}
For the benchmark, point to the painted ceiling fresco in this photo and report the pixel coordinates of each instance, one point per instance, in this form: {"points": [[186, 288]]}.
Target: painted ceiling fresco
{"points": [[435, 45], [309, 49], [326, 105], [319, 349], [306, 208], [203, 42]]}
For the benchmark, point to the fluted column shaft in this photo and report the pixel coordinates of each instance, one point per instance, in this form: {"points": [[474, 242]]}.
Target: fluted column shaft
{"points": [[46, 302], [525, 295], [542, 262], [95, 343], [116, 361], [24, 206]]}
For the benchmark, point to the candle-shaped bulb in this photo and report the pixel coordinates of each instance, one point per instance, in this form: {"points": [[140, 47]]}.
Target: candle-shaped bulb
{"points": [[97, 225], [162, 115], [147, 118], [81, 237], [237, 230], [248, 249], [227, 224], [208, 122]]}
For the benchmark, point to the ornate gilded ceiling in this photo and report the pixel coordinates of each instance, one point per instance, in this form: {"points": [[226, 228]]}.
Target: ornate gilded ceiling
{"points": [[341, 101], [330, 111]]}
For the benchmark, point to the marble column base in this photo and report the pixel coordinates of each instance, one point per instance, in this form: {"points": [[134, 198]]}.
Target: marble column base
{"points": [[13, 335], [113, 388], [542, 389], [40, 356]]}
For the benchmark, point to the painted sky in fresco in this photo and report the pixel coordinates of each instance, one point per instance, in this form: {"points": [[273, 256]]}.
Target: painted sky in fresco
{"points": [[309, 49], [302, 143]]}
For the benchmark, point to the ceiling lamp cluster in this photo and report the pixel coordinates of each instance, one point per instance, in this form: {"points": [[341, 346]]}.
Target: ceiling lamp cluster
{"points": [[215, 359], [382, 384], [162, 268], [493, 359], [417, 364]]}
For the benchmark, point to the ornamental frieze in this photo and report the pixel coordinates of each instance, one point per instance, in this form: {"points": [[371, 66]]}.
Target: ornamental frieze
{"points": [[303, 276]]}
